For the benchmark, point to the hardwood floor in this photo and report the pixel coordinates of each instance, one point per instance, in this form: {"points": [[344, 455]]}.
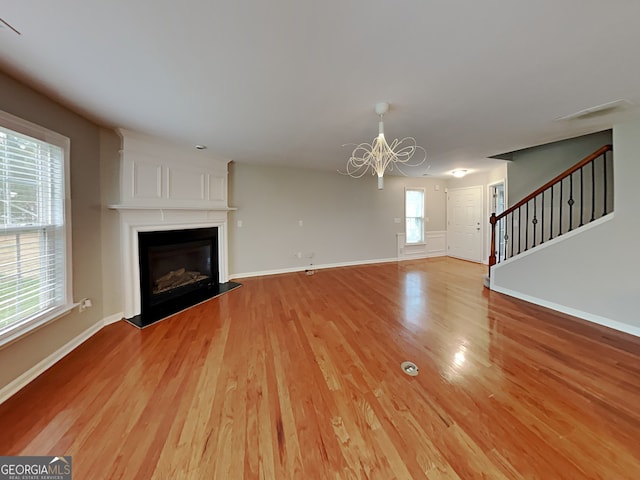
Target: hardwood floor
{"points": [[297, 376]]}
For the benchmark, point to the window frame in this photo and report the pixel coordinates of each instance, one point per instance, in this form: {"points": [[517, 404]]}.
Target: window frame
{"points": [[406, 218], [22, 327]]}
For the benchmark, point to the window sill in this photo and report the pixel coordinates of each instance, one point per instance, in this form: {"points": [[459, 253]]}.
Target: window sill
{"points": [[12, 333], [417, 244]]}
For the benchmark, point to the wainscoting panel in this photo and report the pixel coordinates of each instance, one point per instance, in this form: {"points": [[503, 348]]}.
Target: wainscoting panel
{"points": [[217, 188], [434, 246], [184, 183], [146, 182]]}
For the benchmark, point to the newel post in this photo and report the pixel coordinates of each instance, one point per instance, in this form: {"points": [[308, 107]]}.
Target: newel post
{"points": [[492, 252]]}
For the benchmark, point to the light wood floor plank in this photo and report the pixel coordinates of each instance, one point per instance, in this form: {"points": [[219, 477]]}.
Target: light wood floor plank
{"points": [[298, 377]]}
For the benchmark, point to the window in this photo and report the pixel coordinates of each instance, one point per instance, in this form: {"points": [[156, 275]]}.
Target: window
{"points": [[34, 227], [414, 215]]}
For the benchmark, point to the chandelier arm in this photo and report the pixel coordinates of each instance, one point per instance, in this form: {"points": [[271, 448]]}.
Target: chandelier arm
{"points": [[355, 171], [357, 166], [354, 174], [405, 154], [399, 170]]}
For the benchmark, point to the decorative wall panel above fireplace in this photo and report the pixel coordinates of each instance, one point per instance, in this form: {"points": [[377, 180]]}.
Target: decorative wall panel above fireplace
{"points": [[156, 173]]}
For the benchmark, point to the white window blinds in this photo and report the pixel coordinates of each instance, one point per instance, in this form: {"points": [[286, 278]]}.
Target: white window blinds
{"points": [[32, 229], [414, 215]]}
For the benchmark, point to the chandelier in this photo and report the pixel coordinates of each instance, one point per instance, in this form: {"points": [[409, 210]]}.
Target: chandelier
{"points": [[380, 156]]}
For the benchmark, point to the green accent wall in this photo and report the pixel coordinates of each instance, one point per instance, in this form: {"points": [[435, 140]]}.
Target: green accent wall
{"points": [[533, 167]]}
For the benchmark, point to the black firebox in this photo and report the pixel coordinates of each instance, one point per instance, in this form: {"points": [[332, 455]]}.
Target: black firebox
{"points": [[178, 269]]}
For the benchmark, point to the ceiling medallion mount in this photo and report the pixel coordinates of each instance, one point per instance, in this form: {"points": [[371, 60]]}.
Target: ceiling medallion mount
{"points": [[378, 156]]}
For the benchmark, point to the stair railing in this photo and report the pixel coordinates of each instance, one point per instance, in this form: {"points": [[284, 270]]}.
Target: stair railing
{"points": [[576, 197]]}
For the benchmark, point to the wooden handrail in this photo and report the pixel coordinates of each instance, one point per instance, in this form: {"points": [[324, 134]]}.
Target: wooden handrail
{"points": [[495, 218], [550, 183]]}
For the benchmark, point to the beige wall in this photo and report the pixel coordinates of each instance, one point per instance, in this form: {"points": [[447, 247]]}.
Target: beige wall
{"points": [[344, 219], [25, 103]]}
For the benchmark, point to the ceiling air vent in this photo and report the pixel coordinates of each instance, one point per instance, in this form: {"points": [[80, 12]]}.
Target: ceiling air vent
{"points": [[598, 110]]}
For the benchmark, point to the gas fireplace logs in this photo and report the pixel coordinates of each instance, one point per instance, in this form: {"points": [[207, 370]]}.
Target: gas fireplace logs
{"points": [[175, 279]]}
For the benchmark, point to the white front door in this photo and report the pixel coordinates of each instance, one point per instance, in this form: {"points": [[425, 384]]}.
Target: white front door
{"points": [[464, 223]]}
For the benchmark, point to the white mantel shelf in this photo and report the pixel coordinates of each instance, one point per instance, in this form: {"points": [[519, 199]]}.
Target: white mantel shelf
{"points": [[157, 207]]}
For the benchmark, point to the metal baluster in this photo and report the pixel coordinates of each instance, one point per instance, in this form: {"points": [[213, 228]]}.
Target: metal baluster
{"points": [[534, 221], [505, 236], [560, 213], [512, 241], [593, 191], [496, 235], [604, 165], [519, 227], [570, 202], [551, 216], [542, 222], [581, 197], [526, 230], [499, 233]]}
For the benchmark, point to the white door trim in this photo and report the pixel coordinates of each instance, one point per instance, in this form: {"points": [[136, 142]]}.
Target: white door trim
{"points": [[502, 181]]}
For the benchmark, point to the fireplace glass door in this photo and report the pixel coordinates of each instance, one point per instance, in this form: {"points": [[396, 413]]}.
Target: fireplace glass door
{"points": [[178, 268]]}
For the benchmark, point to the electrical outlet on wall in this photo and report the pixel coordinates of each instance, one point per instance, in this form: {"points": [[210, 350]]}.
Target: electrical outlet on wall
{"points": [[310, 270], [84, 304]]}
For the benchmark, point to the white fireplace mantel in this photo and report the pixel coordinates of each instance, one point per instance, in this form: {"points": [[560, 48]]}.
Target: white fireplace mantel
{"points": [[167, 187]]}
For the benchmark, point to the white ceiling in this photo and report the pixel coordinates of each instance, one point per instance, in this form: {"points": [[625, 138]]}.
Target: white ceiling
{"points": [[288, 82]]}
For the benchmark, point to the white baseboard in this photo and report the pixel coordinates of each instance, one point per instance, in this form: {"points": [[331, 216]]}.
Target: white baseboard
{"points": [[606, 322], [312, 267], [27, 377], [421, 256], [332, 265], [116, 317]]}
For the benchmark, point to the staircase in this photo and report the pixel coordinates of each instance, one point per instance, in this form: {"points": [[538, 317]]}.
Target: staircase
{"points": [[573, 199]]}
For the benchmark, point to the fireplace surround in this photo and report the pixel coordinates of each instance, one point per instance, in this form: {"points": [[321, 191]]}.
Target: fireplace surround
{"points": [[178, 269], [172, 191]]}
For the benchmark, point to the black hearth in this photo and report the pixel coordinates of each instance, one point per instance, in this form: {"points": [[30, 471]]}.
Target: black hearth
{"points": [[178, 269]]}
